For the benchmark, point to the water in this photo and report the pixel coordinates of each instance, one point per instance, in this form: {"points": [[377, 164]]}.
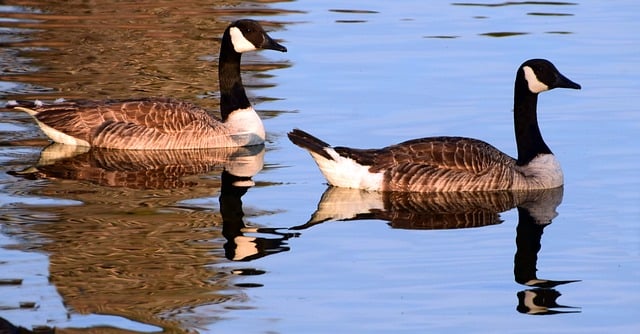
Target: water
{"points": [[102, 241]]}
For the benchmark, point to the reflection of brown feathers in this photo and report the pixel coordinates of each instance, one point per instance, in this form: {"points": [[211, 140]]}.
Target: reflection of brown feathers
{"points": [[431, 210], [445, 210], [155, 169]]}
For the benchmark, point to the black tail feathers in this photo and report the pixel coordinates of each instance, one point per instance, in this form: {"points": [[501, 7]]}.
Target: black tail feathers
{"points": [[309, 142]]}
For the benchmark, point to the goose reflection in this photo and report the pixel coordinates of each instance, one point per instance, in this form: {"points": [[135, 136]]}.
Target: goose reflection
{"points": [[536, 209], [533, 217], [242, 243], [406, 210], [134, 237], [156, 169], [170, 169]]}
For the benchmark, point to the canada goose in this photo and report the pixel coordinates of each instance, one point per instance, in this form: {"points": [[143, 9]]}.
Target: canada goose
{"points": [[440, 164], [164, 123]]}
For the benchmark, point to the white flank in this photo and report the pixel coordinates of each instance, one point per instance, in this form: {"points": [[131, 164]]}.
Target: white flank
{"points": [[545, 171], [240, 43], [345, 172], [246, 127], [60, 137], [535, 85]]}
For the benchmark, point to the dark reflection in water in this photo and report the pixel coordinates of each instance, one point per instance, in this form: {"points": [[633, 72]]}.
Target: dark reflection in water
{"points": [[442, 36], [533, 217], [549, 14], [431, 211], [515, 3], [550, 4], [240, 246], [352, 11], [7, 327], [503, 34]]}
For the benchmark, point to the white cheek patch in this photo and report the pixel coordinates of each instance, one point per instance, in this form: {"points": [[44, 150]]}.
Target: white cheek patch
{"points": [[240, 43], [535, 85]]}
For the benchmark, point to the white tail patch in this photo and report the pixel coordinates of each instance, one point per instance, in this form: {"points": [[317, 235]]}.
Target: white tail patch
{"points": [[240, 43], [60, 137], [535, 85], [27, 110], [347, 173]]}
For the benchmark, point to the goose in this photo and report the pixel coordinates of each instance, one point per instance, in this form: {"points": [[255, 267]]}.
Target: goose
{"points": [[165, 123], [446, 164]]}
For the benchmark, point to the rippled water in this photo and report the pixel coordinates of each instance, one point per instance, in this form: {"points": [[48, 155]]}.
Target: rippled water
{"points": [[107, 241]]}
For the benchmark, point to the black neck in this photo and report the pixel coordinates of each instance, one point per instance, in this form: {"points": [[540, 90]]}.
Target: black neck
{"points": [[528, 236], [232, 94], [525, 117]]}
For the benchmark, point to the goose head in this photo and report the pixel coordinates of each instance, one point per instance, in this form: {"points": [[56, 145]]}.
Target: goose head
{"points": [[541, 75], [248, 35]]}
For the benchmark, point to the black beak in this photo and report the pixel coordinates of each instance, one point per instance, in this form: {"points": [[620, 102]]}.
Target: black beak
{"points": [[564, 82], [270, 44]]}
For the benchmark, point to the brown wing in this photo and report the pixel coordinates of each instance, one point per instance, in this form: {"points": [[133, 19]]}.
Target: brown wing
{"points": [[437, 164], [81, 119], [452, 153]]}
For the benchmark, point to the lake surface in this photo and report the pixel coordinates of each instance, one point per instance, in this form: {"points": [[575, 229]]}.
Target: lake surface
{"points": [[113, 242]]}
